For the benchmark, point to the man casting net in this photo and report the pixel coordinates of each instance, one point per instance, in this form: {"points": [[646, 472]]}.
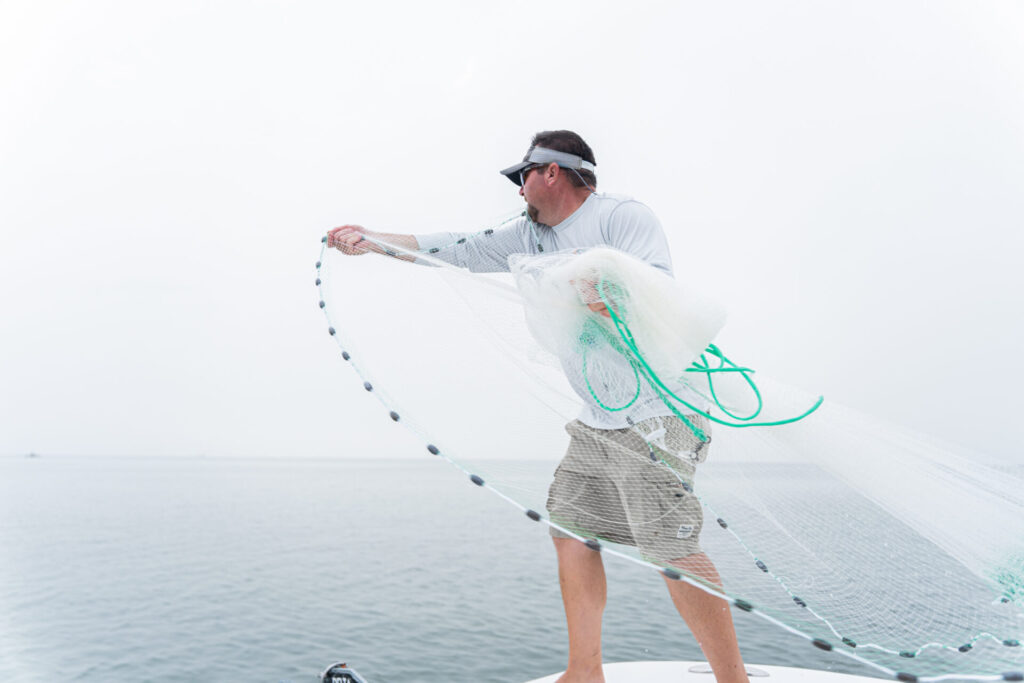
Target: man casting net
{"points": [[556, 360]]}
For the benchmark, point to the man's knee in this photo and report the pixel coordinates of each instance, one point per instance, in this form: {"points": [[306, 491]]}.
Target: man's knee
{"points": [[699, 566], [573, 550]]}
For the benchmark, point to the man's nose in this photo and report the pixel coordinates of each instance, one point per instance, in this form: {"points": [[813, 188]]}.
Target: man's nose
{"points": [[520, 190]]}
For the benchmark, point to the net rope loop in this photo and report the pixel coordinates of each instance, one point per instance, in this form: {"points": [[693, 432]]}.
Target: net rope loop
{"points": [[642, 368]]}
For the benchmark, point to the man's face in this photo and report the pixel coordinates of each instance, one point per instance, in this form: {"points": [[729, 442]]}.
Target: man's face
{"points": [[531, 178]]}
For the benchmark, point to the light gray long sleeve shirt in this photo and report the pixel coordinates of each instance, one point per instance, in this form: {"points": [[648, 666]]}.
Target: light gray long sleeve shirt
{"points": [[602, 220]]}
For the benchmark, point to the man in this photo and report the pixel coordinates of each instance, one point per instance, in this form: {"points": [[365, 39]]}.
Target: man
{"points": [[625, 478]]}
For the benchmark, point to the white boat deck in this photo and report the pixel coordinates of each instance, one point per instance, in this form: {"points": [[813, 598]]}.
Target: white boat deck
{"points": [[700, 672]]}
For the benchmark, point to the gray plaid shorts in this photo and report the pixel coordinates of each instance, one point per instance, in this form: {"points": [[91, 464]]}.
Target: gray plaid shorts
{"points": [[608, 487]]}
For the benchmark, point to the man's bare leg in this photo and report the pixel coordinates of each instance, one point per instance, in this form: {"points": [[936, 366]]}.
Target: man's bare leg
{"points": [[709, 618], [584, 592]]}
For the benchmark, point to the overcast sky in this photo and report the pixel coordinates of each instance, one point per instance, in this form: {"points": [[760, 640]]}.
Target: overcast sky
{"points": [[847, 178]]}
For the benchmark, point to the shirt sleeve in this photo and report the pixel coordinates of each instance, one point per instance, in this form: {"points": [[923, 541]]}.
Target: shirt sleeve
{"points": [[479, 252], [633, 228]]}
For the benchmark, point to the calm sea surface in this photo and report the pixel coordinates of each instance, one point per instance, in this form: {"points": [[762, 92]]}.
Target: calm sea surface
{"points": [[118, 569]]}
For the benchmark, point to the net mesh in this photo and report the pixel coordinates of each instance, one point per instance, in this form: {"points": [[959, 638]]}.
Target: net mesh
{"points": [[855, 535]]}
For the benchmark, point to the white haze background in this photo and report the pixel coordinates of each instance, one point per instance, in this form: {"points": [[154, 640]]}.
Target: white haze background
{"points": [[846, 177]]}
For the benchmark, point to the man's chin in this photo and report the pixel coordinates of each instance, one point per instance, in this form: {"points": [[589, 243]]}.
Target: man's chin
{"points": [[532, 212]]}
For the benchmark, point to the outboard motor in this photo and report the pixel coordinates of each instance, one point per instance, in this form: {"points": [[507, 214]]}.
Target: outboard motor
{"points": [[340, 673]]}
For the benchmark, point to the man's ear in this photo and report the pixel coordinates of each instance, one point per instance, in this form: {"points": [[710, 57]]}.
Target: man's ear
{"points": [[551, 172]]}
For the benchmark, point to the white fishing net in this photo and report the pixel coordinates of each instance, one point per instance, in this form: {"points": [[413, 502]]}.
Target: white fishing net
{"points": [[855, 535]]}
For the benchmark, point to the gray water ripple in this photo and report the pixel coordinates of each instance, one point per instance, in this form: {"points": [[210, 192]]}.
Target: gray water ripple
{"points": [[168, 569]]}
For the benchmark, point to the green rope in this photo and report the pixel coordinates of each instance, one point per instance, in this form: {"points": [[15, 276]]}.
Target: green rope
{"points": [[586, 378], [697, 431], [722, 361], [642, 367], [587, 337]]}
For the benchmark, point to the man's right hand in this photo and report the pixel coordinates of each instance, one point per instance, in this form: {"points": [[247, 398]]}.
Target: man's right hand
{"points": [[349, 240]]}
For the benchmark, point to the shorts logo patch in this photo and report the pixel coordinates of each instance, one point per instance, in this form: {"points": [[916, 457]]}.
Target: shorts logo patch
{"points": [[685, 531]]}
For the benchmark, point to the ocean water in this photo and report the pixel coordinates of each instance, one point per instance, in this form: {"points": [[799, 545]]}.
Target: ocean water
{"points": [[201, 569]]}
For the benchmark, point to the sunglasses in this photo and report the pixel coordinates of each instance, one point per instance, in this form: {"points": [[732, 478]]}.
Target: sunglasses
{"points": [[526, 171]]}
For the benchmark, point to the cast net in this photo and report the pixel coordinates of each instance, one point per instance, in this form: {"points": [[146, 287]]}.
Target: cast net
{"points": [[859, 537]]}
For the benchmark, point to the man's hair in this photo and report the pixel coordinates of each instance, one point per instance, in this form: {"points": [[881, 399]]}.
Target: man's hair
{"points": [[568, 141]]}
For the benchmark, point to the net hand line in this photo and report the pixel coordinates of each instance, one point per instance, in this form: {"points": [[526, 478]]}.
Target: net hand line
{"points": [[652, 377]]}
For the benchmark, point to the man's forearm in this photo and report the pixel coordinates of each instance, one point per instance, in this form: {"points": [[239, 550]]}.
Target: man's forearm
{"points": [[403, 244]]}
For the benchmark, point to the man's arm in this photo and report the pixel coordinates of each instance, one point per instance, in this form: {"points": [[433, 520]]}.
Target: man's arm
{"points": [[481, 252], [355, 240], [485, 252]]}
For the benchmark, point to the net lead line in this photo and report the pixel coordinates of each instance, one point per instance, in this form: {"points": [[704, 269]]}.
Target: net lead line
{"points": [[739, 603]]}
